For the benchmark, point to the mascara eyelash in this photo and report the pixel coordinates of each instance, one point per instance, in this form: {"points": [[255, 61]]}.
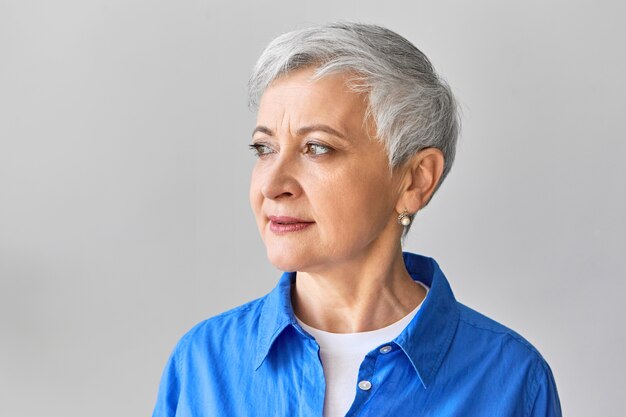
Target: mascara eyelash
{"points": [[254, 148]]}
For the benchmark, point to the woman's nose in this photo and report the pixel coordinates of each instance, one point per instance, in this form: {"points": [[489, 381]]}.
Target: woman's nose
{"points": [[281, 179]]}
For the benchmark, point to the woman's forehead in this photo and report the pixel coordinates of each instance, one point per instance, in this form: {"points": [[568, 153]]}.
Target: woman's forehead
{"points": [[296, 99]]}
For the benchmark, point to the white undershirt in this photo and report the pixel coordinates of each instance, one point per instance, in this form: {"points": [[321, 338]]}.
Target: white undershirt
{"points": [[342, 354]]}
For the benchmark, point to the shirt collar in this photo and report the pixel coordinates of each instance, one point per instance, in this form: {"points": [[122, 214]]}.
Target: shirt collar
{"points": [[425, 340], [276, 314]]}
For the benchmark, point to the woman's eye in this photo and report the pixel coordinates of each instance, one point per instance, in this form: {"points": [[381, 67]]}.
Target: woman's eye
{"points": [[260, 149], [317, 149]]}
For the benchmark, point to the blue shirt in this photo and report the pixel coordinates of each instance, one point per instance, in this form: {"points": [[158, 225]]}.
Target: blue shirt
{"points": [[255, 360]]}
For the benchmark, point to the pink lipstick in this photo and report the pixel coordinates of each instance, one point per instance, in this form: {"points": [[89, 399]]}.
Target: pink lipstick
{"points": [[285, 224]]}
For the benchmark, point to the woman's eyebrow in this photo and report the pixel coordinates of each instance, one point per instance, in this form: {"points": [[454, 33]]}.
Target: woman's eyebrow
{"points": [[319, 128], [263, 129], [304, 130]]}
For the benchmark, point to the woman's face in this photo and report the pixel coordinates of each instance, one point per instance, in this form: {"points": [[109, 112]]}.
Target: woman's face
{"points": [[321, 191]]}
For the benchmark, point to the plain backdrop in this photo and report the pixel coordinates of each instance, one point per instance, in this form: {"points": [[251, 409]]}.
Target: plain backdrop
{"points": [[124, 174]]}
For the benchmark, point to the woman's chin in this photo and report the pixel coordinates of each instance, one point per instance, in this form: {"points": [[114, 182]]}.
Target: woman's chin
{"points": [[286, 260]]}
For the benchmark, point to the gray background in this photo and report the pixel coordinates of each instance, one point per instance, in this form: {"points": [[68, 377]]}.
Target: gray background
{"points": [[124, 175]]}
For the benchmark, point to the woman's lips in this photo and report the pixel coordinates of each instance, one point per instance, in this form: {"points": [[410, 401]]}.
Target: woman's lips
{"points": [[285, 224]]}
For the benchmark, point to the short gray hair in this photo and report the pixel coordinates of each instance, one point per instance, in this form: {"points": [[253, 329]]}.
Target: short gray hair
{"points": [[413, 108]]}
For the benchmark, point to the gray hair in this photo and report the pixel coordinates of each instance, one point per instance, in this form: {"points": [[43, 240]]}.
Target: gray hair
{"points": [[413, 108]]}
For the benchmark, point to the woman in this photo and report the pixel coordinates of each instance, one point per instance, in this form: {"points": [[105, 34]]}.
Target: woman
{"points": [[355, 132]]}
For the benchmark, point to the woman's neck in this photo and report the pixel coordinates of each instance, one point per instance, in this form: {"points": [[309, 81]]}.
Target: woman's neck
{"points": [[357, 296]]}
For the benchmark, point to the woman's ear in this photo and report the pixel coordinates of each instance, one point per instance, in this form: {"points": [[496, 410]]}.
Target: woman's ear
{"points": [[421, 176]]}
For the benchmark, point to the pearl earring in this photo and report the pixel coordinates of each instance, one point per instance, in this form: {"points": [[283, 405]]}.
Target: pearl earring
{"points": [[404, 219]]}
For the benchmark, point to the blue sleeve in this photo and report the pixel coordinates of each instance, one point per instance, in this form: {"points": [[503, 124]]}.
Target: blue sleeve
{"points": [[546, 402], [169, 390]]}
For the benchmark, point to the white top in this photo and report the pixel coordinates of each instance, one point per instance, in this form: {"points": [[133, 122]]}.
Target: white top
{"points": [[342, 354]]}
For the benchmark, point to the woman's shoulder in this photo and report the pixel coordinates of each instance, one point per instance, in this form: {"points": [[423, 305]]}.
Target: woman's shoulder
{"points": [[232, 327], [484, 327], [489, 341], [505, 359]]}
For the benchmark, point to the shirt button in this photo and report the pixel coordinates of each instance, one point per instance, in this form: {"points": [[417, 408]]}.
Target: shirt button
{"points": [[385, 349], [365, 385]]}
